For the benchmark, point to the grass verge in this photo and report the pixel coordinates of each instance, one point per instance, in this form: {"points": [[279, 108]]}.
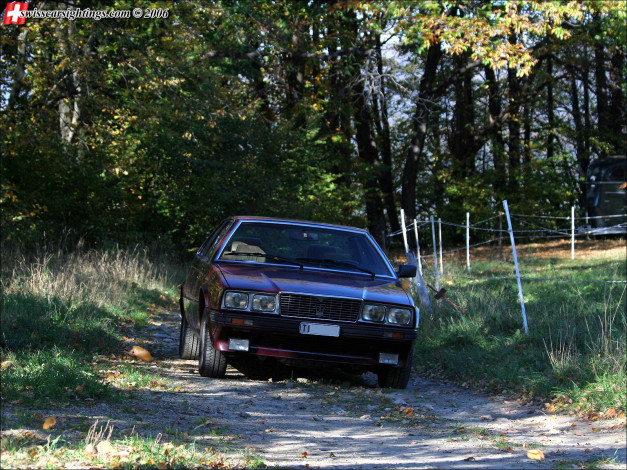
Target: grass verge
{"points": [[61, 309], [574, 354]]}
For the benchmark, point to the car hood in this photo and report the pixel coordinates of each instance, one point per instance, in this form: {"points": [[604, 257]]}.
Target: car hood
{"points": [[314, 282]]}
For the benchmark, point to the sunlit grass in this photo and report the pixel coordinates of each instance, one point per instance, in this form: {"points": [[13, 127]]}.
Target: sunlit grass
{"points": [[103, 447], [576, 343], [60, 309]]}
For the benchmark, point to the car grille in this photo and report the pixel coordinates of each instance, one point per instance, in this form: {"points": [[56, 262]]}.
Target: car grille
{"points": [[325, 308]]}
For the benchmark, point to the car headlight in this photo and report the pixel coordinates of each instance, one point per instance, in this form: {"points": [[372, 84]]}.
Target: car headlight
{"points": [[399, 316], [373, 313], [264, 303], [238, 300]]}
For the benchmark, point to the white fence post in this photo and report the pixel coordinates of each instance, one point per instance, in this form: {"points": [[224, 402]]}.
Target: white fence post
{"points": [[417, 246], [435, 255], [468, 241], [440, 240], [572, 234], [404, 230], [520, 291]]}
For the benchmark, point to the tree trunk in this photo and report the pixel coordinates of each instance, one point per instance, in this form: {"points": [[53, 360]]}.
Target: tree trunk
{"points": [[550, 103], [462, 139], [617, 104], [496, 135], [513, 124], [419, 131], [383, 130], [603, 117], [20, 68]]}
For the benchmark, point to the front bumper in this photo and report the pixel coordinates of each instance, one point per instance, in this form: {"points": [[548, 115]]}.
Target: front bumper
{"points": [[275, 336]]}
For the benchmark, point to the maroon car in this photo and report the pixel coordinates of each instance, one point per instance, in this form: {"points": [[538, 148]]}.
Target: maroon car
{"points": [[297, 292]]}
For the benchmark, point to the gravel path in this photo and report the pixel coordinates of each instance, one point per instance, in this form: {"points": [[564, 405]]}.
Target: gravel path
{"points": [[339, 421]]}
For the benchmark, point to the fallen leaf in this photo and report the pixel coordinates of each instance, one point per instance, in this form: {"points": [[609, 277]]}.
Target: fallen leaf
{"points": [[574, 424], [469, 459], [6, 364], [610, 413], [49, 422], [140, 353], [162, 465], [303, 455], [331, 454], [535, 454]]}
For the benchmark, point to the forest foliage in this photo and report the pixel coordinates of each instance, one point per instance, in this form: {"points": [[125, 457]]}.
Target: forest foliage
{"points": [[153, 130]]}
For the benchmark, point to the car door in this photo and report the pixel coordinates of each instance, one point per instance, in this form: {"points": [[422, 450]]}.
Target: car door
{"points": [[200, 268]]}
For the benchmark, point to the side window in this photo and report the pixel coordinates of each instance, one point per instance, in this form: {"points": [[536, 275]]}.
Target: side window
{"points": [[213, 239]]}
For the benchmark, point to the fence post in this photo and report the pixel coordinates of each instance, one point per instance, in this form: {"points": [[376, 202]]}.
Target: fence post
{"points": [[572, 234], [520, 291], [435, 255], [440, 240], [468, 241], [417, 246], [404, 230]]}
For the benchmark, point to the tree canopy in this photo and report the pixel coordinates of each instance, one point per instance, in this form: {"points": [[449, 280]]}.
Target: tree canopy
{"points": [[154, 129]]}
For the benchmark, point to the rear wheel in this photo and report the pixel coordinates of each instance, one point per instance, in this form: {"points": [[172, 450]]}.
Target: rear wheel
{"points": [[396, 377], [211, 363], [189, 343]]}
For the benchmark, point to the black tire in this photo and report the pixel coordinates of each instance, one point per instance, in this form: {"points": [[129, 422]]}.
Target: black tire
{"points": [[396, 377], [211, 363], [189, 343]]}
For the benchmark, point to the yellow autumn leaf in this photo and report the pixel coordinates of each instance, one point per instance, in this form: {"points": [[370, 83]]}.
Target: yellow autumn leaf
{"points": [[140, 353], [49, 422], [535, 454]]}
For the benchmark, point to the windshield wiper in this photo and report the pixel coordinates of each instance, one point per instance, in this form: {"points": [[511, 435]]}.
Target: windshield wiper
{"points": [[348, 265], [285, 260], [280, 259]]}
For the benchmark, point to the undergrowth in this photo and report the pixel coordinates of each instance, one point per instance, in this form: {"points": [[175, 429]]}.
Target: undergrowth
{"points": [[60, 308], [574, 354]]}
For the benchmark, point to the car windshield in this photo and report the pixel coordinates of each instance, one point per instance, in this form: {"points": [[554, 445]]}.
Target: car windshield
{"points": [[305, 247]]}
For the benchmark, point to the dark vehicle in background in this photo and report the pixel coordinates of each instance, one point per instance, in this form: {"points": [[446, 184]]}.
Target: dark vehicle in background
{"points": [[606, 195], [301, 293]]}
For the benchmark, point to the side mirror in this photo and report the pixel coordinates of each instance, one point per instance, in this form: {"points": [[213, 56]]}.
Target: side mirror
{"points": [[407, 270]]}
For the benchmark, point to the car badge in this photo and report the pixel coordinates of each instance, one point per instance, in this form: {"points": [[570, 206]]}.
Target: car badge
{"points": [[320, 310]]}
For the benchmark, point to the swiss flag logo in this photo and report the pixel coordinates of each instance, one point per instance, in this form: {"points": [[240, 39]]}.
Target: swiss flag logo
{"points": [[12, 13]]}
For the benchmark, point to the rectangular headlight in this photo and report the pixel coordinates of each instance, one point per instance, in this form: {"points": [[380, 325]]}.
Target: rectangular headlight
{"points": [[373, 312], [264, 303], [399, 316], [238, 300]]}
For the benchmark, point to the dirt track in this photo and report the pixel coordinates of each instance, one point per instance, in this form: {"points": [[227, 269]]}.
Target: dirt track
{"points": [[341, 421]]}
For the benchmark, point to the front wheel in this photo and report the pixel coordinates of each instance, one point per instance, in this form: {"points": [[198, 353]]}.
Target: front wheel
{"points": [[396, 377], [211, 363]]}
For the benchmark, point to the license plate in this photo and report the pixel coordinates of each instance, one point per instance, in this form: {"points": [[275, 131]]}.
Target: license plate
{"points": [[319, 330]]}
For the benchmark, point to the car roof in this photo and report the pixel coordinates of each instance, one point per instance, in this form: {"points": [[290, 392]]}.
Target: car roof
{"points": [[253, 218]]}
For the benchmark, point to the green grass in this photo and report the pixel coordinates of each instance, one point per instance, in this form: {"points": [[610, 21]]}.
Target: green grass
{"points": [[61, 309], [103, 448], [574, 353]]}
